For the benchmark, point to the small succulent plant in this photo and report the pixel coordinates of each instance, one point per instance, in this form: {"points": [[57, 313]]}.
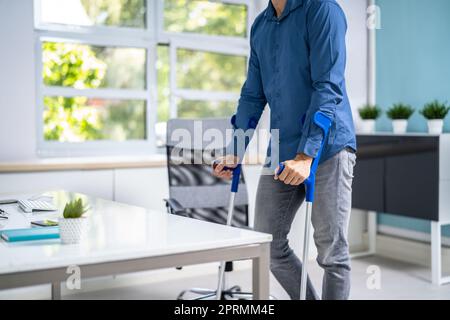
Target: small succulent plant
{"points": [[400, 111], [369, 112], [435, 110], [74, 209]]}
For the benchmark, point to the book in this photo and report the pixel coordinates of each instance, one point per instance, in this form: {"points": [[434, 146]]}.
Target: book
{"points": [[30, 234]]}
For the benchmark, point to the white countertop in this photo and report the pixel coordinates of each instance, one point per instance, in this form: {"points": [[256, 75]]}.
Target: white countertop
{"points": [[115, 232], [96, 163], [84, 163], [408, 134]]}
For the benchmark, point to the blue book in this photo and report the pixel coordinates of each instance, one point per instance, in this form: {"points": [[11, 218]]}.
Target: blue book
{"points": [[30, 234]]}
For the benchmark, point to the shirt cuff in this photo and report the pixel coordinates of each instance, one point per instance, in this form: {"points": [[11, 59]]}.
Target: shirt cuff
{"points": [[309, 147], [311, 141]]}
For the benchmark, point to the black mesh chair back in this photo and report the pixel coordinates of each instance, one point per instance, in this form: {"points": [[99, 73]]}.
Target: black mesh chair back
{"points": [[191, 183]]}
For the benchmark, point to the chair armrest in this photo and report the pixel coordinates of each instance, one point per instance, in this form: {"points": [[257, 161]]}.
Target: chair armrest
{"points": [[174, 207]]}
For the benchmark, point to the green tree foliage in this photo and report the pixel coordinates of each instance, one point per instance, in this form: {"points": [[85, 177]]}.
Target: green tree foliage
{"points": [[66, 119], [202, 16], [78, 119], [210, 71], [88, 67], [205, 109], [125, 13], [200, 71]]}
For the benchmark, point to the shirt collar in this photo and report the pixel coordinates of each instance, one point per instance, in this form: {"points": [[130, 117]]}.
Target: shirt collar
{"points": [[291, 5]]}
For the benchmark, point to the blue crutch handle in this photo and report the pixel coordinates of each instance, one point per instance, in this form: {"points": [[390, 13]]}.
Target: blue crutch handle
{"points": [[236, 176], [252, 123], [324, 123]]}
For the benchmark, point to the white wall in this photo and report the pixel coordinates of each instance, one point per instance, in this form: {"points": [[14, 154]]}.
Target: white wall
{"points": [[17, 92], [356, 73], [357, 78]]}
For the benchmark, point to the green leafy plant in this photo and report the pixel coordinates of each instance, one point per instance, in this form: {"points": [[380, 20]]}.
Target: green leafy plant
{"points": [[74, 209], [369, 112], [400, 111], [435, 110]]}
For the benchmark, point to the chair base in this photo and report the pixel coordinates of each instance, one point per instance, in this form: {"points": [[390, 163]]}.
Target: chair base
{"points": [[233, 293]]}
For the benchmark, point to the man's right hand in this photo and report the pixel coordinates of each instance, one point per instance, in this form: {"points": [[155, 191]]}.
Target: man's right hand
{"points": [[219, 164]]}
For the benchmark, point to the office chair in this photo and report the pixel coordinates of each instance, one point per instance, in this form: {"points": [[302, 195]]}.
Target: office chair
{"points": [[195, 193]]}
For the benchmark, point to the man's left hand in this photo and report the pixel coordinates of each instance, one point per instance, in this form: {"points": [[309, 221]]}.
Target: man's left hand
{"points": [[296, 171]]}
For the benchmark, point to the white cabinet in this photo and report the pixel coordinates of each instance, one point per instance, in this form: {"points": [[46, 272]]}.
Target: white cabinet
{"points": [[98, 183]]}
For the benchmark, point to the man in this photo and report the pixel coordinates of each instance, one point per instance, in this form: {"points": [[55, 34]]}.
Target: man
{"points": [[297, 66]]}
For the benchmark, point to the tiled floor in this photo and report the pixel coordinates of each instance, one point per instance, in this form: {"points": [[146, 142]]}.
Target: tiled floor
{"points": [[398, 281]]}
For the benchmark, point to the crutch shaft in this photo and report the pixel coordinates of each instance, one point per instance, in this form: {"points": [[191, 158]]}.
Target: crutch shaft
{"points": [[323, 122], [222, 263], [304, 274]]}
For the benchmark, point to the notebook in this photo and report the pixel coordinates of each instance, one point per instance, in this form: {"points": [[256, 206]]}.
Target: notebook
{"points": [[30, 234]]}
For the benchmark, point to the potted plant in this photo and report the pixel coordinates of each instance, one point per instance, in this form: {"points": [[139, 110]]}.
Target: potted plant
{"points": [[399, 113], [72, 226], [435, 112], [369, 114]]}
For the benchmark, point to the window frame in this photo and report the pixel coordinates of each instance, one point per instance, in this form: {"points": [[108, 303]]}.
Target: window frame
{"points": [[147, 38]]}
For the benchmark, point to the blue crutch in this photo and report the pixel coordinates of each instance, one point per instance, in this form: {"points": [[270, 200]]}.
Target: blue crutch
{"points": [[324, 123], [234, 189], [252, 123]]}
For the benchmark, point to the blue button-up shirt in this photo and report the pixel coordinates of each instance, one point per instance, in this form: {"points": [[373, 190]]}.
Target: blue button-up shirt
{"points": [[297, 66]]}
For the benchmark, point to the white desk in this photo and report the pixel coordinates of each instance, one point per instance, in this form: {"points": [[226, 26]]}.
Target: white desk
{"points": [[123, 239]]}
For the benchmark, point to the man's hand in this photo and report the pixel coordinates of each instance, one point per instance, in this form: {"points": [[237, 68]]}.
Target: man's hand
{"points": [[296, 171], [219, 164]]}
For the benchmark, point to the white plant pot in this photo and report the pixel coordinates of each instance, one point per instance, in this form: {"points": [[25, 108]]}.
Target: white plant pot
{"points": [[399, 126], [367, 126], [71, 231], [435, 126]]}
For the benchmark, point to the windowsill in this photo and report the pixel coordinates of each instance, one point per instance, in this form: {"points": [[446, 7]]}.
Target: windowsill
{"points": [[93, 163], [84, 163]]}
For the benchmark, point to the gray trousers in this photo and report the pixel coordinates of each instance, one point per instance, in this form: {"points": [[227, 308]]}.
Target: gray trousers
{"points": [[276, 206]]}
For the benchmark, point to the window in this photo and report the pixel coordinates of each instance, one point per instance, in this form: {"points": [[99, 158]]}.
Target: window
{"points": [[202, 70], [80, 119], [207, 17], [118, 13], [110, 73], [83, 66]]}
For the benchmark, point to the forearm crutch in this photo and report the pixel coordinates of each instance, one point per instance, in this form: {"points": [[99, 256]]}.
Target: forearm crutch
{"points": [[234, 189], [324, 123]]}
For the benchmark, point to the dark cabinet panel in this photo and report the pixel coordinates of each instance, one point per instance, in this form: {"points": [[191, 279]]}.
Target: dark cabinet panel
{"points": [[368, 189], [412, 185], [398, 174]]}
